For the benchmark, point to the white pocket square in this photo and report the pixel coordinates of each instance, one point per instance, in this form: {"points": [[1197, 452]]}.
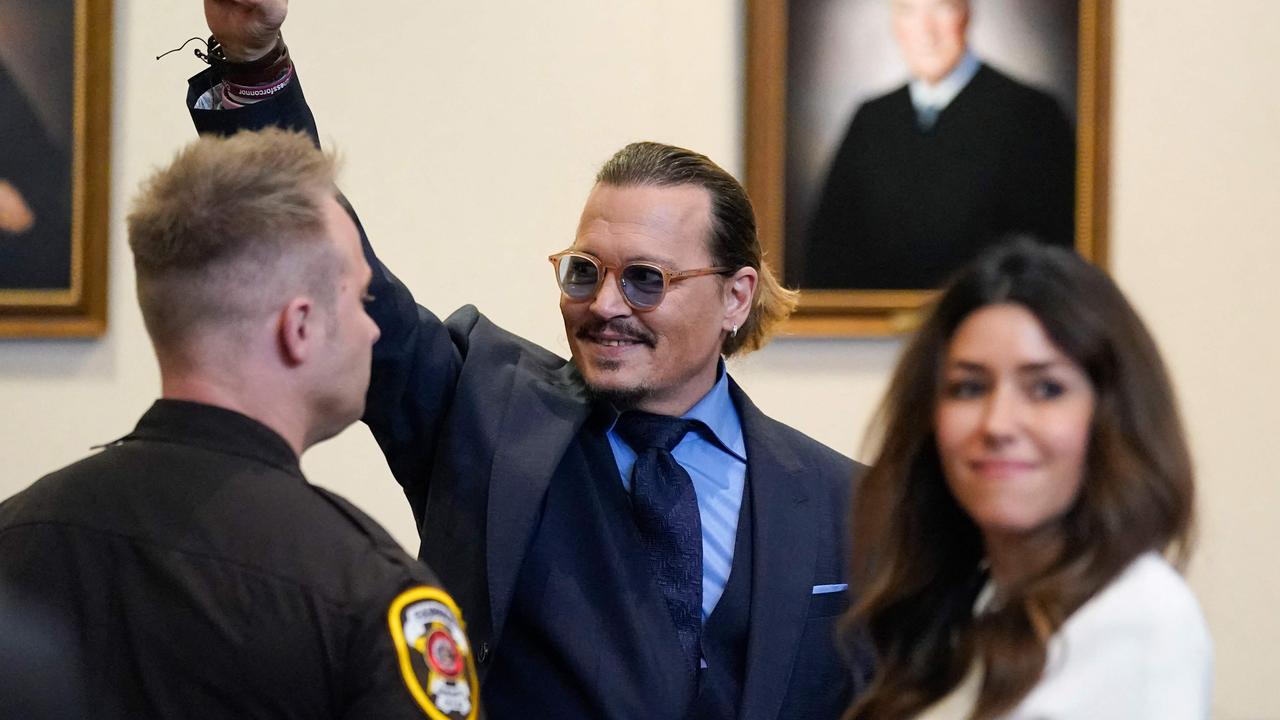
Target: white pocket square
{"points": [[824, 589]]}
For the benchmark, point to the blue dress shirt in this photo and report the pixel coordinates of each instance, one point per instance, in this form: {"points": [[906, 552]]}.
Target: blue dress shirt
{"points": [[718, 467]]}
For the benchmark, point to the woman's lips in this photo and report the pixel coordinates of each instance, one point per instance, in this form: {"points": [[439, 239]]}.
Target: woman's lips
{"points": [[1001, 468]]}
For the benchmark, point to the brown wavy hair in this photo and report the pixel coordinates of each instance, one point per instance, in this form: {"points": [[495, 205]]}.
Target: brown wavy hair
{"points": [[733, 242], [917, 554]]}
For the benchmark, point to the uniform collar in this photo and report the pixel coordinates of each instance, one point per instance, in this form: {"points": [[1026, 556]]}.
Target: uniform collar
{"points": [[213, 428]]}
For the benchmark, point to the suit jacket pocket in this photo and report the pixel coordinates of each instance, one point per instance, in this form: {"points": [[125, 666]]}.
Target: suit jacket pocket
{"points": [[828, 604]]}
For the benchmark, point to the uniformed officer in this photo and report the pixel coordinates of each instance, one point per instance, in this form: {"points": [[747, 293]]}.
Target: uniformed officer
{"points": [[189, 567]]}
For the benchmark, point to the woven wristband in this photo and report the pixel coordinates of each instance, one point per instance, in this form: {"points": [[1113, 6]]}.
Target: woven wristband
{"points": [[245, 94]]}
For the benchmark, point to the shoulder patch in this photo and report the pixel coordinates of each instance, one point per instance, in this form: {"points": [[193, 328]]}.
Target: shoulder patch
{"points": [[435, 658]]}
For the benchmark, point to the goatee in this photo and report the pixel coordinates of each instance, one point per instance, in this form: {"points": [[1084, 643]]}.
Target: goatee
{"points": [[622, 399]]}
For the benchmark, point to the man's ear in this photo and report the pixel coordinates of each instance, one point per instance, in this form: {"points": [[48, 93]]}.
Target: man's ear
{"points": [[297, 325], [739, 291]]}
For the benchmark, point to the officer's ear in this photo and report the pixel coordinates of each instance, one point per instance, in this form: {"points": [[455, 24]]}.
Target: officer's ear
{"points": [[297, 330]]}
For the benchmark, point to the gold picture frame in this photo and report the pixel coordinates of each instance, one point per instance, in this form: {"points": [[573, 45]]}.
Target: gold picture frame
{"points": [[69, 42], [880, 312]]}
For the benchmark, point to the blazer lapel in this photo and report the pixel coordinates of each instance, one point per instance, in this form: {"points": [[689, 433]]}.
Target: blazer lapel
{"points": [[539, 422], [784, 553]]}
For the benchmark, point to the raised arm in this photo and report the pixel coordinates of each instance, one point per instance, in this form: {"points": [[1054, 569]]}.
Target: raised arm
{"points": [[415, 362], [251, 52]]}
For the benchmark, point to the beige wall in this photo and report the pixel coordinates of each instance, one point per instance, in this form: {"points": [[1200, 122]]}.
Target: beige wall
{"points": [[471, 134]]}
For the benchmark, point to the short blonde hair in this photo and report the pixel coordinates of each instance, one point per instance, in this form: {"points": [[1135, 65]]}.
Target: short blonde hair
{"points": [[229, 228]]}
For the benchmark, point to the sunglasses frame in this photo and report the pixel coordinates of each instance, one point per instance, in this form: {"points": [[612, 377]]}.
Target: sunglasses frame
{"points": [[602, 271]]}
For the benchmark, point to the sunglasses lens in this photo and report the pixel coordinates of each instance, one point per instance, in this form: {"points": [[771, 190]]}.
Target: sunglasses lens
{"points": [[577, 276], [643, 285]]}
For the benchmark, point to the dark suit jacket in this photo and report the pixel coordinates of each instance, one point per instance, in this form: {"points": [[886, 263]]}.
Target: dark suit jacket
{"points": [[474, 420], [905, 208]]}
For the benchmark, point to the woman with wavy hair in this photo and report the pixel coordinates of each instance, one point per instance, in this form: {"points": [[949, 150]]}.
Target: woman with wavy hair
{"points": [[1030, 482]]}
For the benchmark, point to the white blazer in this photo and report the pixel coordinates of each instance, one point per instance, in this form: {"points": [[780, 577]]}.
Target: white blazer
{"points": [[1138, 650]]}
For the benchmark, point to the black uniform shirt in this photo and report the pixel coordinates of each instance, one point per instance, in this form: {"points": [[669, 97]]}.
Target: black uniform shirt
{"points": [[192, 571]]}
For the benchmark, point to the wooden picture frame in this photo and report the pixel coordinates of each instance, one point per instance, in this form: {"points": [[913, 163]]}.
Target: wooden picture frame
{"points": [[773, 154], [53, 257]]}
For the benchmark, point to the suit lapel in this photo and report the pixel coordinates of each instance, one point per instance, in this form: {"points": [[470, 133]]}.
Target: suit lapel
{"points": [[539, 422], [784, 553]]}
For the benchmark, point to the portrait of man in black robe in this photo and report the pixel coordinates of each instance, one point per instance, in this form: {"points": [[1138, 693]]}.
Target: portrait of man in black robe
{"points": [[929, 173]]}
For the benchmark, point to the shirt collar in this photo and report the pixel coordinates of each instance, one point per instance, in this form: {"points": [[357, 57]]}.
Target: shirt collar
{"points": [[217, 429], [939, 96], [715, 410]]}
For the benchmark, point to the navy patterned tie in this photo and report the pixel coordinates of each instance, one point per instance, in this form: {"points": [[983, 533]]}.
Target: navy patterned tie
{"points": [[666, 512]]}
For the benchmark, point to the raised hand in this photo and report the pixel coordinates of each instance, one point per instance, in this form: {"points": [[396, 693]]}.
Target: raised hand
{"points": [[247, 29]]}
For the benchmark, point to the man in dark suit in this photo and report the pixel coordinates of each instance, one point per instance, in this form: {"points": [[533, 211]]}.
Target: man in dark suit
{"points": [[933, 172], [628, 535], [189, 569]]}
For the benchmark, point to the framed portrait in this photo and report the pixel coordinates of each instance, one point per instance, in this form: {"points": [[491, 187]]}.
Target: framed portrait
{"points": [[890, 141], [55, 118]]}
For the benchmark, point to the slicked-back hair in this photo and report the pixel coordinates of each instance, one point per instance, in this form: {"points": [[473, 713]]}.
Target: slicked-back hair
{"points": [[732, 241], [230, 229], [917, 554]]}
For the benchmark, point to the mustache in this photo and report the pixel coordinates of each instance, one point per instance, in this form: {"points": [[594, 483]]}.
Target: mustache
{"points": [[616, 326]]}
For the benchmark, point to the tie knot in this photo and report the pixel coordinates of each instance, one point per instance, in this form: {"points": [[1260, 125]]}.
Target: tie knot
{"points": [[642, 430]]}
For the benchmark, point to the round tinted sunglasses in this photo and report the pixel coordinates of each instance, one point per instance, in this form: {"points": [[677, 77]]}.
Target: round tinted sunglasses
{"points": [[642, 284]]}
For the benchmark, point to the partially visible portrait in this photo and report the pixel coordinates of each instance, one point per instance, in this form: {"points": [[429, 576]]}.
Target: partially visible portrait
{"points": [[891, 141], [54, 118]]}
